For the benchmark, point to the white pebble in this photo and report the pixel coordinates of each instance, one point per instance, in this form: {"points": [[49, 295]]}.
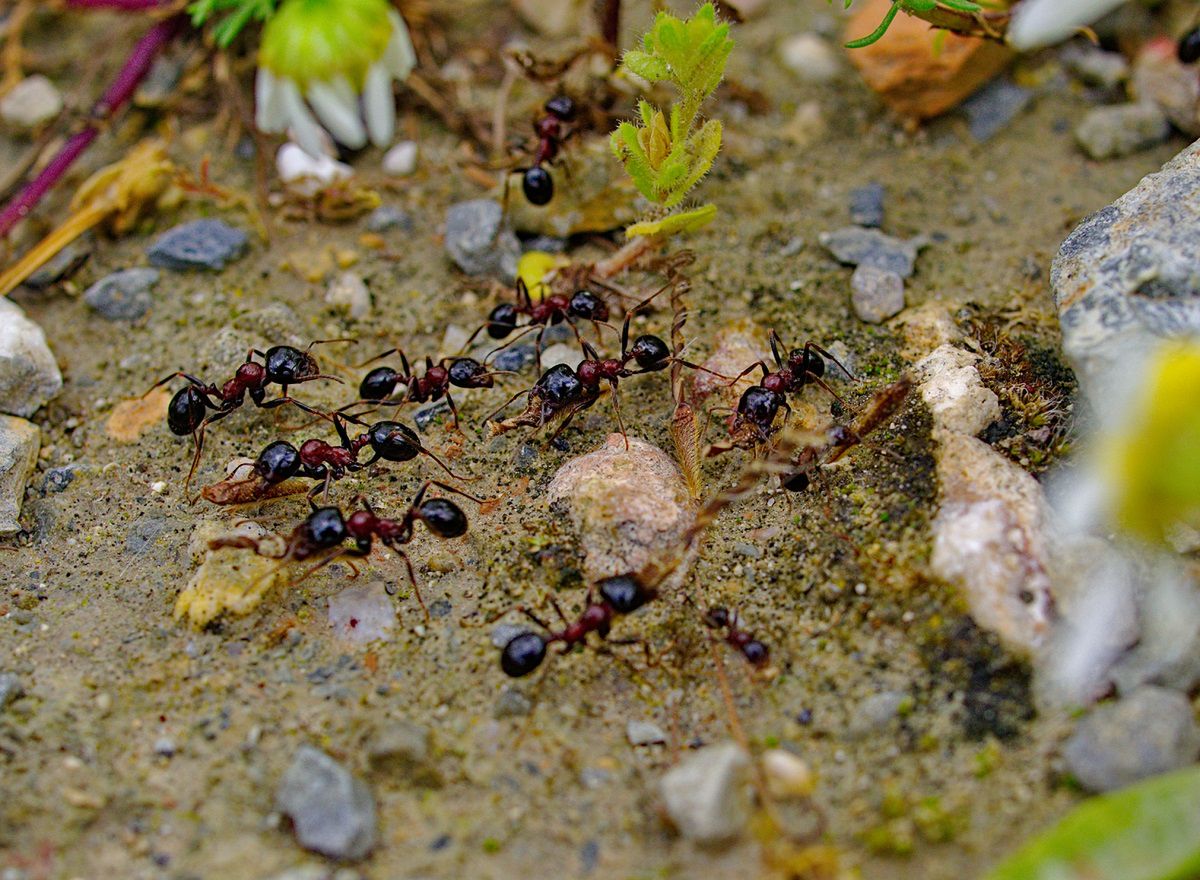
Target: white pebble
{"points": [[401, 160], [306, 173], [31, 102], [810, 58], [348, 291], [158, 487]]}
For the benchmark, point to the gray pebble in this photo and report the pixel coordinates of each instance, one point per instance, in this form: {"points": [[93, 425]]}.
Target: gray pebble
{"points": [[402, 750], [503, 633], [164, 747], [644, 733], [515, 358], [866, 205], [57, 479], [124, 295], [547, 243], [750, 551], [385, 217], [1094, 66], [1111, 132], [29, 375], [144, 532], [512, 704], [425, 416], [439, 608], [705, 794], [856, 246], [31, 103], [201, 244], [477, 242], [1149, 732], [876, 294], [10, 689], [62, 265], [993, 107], [332, 812], [19, 444]]}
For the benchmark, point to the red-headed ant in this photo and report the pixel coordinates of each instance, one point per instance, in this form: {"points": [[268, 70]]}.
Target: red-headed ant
{"points": [[326, 529], [757, 654], [536, 182], [282, 365], [319, 460], [379, 384], [524, 653]]}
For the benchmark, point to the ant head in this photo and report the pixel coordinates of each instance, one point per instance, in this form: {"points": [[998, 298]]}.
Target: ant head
{"points": [[325, 528], [589, 372], [560, 384], [394, 441], [185, 412], [756, 652], [287, 366], [650, 352], [442, 517], [805, 362], [502, 321], [251, 375], [717, 618], [1189, 47], [469, 373], [277, 462], [378, 384], [759, 405], [624, 593], [586, 306], [538, 185], [562, 107], [523, 654]]}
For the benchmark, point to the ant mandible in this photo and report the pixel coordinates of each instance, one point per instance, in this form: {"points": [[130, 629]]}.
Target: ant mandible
{"points": [[318, 460], [622, 594], [327, 528], [379, 384], [282, 365], [536, 182], [757, 654]]}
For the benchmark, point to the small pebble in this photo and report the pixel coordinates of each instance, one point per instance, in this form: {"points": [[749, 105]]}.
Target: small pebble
{"points": [[62, 265], [866, 205], [386, 217], [402, 750], [876, 294], [201, 244], [10, 689], [362, 614], [512, 704], [993, 107], [57, 479], [307, 174], [19, 444], [1094, 66], [426, 416], [515, 358], [332, 812], [349, 292], [644, 733], [400, 160], [31, 103], [875, 712], [29, 374], [164, 747], [123, 295], [503, 633], [788, 775], [810, 57], [477, 241], [562, 353], [1112, 132], [856, 246], [705, 794]]}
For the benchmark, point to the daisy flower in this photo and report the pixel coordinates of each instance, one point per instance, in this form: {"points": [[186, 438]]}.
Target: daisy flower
{"points": [[328, 65]]}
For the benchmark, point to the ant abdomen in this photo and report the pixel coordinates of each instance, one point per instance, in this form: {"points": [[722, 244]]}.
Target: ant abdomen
{"points": [[394, 441], [277, 462], [650, 352], [624, 593], [560, 384], [442, 517], [502, 321], [586, 306], [523, 654], [469, 373], [538, 186], [323, 529], [378, 384], [186, 411]]}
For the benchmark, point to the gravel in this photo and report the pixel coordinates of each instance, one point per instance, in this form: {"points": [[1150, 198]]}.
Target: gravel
{"points": [[856, 246], [478, 243], [201, 244], [11, 689], [515, 358], [1151, 731], [1112, 132], [123, 295], [511, 703], [62, 265], [876, 294], [332, 812], [644, 733], [386, 217], [29, 375], [19, 444], [992, 108], [705, 794], [348, 292], [866, 205]]}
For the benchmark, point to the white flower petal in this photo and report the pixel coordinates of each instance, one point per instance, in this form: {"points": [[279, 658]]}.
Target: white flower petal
{"points": [[1038, 23], [268, 105], [307, 133], [345, 91], [399, 57], [339, 117], [379, 105]]}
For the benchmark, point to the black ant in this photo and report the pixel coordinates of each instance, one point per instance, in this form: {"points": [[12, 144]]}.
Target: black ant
{"points": [[326, 528], [319, 460], [583, 305], [1188, 50], [623, 594], [757, 654], [536, 182], [379, 384], [283, 365]]}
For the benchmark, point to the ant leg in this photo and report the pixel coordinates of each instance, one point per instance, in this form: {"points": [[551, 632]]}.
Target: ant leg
{"points": [[524, 331], [750, 369], [558, 610], [445, 467], [377, 357], [448, 488], [825, 354], [534, 618], [617, 409], [205, 390], [506, 405], [412, 577], [198, 437], [537, 347], [453, 414], [776, 342]]}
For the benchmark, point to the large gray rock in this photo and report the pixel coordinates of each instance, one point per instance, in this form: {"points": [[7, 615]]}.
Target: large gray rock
{"points": [[1151, 731], [333, 813], [1129, 274], [706, 793], [29, 375], [19, 444]]}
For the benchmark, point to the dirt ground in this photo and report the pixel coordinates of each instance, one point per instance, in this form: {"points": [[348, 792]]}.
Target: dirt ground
{"points": [[835, 580]]}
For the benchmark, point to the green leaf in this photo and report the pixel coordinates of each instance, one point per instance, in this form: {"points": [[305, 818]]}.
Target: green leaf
{"points": [[1149, 831], [686, 221], [237, 14]]}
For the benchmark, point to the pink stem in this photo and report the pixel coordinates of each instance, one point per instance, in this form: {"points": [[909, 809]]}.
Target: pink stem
{"points": [[132, 73]]}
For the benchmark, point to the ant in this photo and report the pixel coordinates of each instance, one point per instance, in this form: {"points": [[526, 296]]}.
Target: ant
{"points": [[622, 594], [327, 528], [377, 386], [583, 305], [283, 365], [1188, 50], [536, 182], [757, 654], [319, 460]]}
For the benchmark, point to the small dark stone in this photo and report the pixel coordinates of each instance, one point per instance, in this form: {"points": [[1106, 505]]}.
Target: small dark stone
{"points": [[804, 717], [124, 295], [386, 217], [201, 244], [866, 205], [514, 358], [589, 856], [439, 608], [440, 842], [424, 417], [57, 479], [994, 106], [62, 265]]}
